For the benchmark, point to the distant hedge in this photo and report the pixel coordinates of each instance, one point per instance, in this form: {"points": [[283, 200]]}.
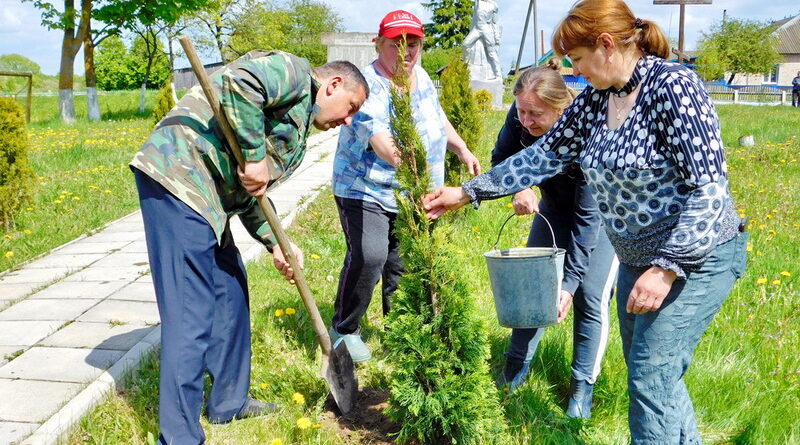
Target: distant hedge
{"points": [[16, 175]]}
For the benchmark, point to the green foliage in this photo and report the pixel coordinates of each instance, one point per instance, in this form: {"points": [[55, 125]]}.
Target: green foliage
{"points": [[461, 109], [483, 101], [737, 46], [18, 64], [434, 59], [164, 102], [120, 68], [441, 390], [16, 176], [296, 27], [450, 22]]}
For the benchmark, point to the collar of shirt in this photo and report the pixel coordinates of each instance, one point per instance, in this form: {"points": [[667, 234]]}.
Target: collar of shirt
{"points": [[642, 66], [314, 108]]}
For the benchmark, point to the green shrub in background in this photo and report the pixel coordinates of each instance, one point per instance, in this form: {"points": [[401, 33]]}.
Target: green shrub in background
{"points": [[16, 176], [441, 389], [483, 101], [164, 102], [434, 59], [461, 109]]}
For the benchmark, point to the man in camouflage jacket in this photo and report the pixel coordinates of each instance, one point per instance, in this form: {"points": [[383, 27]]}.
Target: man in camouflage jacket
{"points": [[190, 186]]}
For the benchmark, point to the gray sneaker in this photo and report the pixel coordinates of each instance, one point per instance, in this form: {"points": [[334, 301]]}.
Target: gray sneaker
{"points": [[355, 345]]}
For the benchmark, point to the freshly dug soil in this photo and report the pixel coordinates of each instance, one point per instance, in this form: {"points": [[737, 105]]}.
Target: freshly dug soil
{"points": [[365, 423]]}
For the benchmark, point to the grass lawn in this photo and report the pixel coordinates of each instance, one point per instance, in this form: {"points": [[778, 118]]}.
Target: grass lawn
{"points": [[83, 179], [745, 379]]}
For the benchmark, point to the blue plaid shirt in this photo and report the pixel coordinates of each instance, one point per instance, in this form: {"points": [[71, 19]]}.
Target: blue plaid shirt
{"points": [[358, 173]]}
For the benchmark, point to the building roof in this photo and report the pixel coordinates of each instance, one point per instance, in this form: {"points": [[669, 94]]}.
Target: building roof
{"points": [[788, 34]]}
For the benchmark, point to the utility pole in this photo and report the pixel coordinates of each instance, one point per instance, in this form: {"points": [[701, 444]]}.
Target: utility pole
{"points": [[535, 35], [682, 4], [524, 33]]}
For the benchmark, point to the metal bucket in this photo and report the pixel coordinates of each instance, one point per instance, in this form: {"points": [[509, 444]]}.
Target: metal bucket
{"points": [[526, 283]]}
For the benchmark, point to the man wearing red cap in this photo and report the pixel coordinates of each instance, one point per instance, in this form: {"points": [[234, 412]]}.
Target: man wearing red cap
{"points": [[364, 176]]}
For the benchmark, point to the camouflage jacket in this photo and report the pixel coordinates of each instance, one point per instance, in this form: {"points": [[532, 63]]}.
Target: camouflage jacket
{"points": [[268, 98]]}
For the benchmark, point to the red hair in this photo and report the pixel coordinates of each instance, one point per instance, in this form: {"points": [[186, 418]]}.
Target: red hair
{"points": [[589, 18]]}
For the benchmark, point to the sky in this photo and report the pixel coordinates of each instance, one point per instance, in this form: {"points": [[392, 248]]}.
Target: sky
{"points": [[21, 31]]}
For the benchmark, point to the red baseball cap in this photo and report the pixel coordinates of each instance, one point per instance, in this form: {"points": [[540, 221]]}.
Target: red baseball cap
{"points": [[395, 23]]}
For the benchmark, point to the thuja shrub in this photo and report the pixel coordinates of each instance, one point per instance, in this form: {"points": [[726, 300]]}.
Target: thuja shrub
{"points": [[483, 101], [164, 102], [461, 109], [441, 389], [16, 175]]}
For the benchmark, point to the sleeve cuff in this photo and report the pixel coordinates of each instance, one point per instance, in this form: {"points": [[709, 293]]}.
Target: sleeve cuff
{"points": [[669, 265], [473, 197], [570, 284], [255, 154]]}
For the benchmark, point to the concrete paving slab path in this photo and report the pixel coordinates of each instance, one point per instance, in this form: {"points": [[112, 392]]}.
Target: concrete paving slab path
{"points": [[75, 321]]}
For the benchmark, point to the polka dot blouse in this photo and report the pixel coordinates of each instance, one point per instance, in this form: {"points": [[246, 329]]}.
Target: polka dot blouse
{"points": [[660, 179]]}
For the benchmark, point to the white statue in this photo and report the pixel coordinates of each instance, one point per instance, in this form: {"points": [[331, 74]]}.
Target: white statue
{"points": [[483, 41]]}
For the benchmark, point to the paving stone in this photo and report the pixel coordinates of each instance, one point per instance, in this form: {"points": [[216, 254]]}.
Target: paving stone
{"points": [[26, 333], [60, 364], [41, 309], [76, 261], [33, 401], [40, 276], [97, 336], [81, 247], [124, 226], [123, 311], [16, 291], [135, 247], [133, 217], [104, 274], [6, 352], [111, 237], [79, 289], [146, 278], [118, 259], [137, 291], [13, 432]]}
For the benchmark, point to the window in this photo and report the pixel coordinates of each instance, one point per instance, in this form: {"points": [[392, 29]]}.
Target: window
{"points": [[772, 76]]}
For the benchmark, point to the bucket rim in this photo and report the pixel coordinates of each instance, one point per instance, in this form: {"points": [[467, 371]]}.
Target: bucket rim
{"points": [[547, 251]]}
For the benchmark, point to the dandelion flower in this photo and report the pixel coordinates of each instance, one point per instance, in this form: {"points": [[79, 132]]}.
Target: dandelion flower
{"points": [[276, 442], [298, 398], [776, 282], [9, 254], [29, 209], [278, 312], [290, 311], [510, 205], [761, 280], [315, 256], [76, 198], [303, 423], [316, 426], [786, 273], [27, 231], [107, 191], [263, 385]]}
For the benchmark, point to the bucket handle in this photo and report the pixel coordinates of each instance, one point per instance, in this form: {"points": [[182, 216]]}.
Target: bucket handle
{"points": [[505, 252]]}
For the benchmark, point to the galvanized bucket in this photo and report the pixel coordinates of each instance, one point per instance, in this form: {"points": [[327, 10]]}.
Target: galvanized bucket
{"points": [[526, 283]]}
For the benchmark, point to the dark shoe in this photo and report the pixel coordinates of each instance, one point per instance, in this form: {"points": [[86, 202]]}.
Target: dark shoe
{"points": [[515, 373], [580, 403], [251, 408]]}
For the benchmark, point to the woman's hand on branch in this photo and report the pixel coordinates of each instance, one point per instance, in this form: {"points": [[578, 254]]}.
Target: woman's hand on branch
{"points": [[443, 199]]}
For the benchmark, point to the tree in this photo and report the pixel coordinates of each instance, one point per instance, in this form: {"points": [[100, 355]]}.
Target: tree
{"points": [[434, 59], [147, 47], [261, 27], [450, 22], [111, 65], [737, 46], [441, 389], [460, 106], [308, 19], [17, 64]]}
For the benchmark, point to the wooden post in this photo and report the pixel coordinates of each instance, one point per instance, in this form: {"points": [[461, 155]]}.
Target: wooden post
{"points": [[30, 90], [682, 4], [522, 41]]}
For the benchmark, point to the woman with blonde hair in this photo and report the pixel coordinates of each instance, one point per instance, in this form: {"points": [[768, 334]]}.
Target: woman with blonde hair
{"points": [[540, 97], [647, 137]]}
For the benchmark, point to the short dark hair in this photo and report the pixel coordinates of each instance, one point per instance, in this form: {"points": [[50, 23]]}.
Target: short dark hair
{"points": [[350, 73]]}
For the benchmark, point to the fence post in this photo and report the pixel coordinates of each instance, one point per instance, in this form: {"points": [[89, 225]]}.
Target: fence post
{"points": [[783, 97], [735, 96]]}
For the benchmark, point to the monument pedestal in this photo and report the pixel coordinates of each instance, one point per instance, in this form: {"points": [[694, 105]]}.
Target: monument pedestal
{"points": [[494, 87]]}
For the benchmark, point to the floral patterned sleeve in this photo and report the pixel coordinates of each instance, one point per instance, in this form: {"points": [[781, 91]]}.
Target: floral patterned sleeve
{"points": [[544, 159], [689, 127]]}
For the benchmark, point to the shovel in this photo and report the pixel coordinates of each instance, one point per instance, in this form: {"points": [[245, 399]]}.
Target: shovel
{"points": [[337, 365]]}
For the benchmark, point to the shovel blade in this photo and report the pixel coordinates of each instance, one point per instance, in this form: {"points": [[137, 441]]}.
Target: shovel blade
{"points": [[340, 372]]}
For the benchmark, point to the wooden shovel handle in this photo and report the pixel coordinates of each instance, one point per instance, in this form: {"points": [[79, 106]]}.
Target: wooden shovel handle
{"points": [[272, 218]]}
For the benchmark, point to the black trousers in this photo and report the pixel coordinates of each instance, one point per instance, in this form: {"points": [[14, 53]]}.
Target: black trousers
{"points": [[796, 98], [373, 255]]}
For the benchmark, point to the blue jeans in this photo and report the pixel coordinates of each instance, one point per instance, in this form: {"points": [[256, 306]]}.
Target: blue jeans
{"points": [[201, 290], [591, 304], [659, 345]]}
